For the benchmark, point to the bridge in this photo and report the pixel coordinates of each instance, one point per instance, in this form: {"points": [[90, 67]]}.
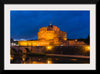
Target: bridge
{"points": [[62, 51]]}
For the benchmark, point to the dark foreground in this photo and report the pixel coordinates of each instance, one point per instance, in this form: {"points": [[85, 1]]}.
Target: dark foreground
{"points": [[46, 59]]}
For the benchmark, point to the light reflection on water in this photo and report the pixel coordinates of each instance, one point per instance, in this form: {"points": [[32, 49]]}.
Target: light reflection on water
{"points": [[36, 60], [49, 61], [24, 59]]}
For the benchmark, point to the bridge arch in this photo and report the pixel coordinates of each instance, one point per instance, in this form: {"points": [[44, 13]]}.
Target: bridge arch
{"points": [[25, 50]]}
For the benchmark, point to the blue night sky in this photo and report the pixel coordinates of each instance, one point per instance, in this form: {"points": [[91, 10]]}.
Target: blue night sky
{"points": [[26, 24]]}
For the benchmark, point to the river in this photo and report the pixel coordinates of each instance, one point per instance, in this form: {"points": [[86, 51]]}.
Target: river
{"points": [[36, 59]]}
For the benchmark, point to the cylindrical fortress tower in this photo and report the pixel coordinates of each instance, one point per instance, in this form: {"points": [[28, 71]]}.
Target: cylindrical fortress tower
{"points": [[50, 33]]}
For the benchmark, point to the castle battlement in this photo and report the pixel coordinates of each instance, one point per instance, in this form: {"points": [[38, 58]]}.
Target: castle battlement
{"points": [[50, 35]]}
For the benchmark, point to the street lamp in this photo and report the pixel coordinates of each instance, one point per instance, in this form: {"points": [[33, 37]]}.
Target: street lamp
{"points": [[49, 47], [87, 48]]}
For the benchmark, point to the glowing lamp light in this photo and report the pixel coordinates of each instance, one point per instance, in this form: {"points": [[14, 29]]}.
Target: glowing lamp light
{"points": [[49, 47], [49, 62], [87, 48], [75, 39], [34, 62], [65, 39], [11, 58], [23, 59]]}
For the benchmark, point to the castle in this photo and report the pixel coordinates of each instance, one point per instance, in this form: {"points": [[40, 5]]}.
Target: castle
{"points": [[51, 35]]}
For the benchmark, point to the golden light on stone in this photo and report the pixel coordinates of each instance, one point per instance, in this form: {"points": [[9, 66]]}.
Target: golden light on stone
{"points": [[46, 35], [50, 35]]}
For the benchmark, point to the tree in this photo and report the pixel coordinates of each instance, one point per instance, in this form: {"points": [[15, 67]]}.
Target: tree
{"points": [[87, 40], [11, 40]]}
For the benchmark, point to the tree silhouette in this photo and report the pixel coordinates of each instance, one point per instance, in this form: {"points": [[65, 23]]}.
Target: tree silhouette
{"points": [[11, 40], [87, 40]]}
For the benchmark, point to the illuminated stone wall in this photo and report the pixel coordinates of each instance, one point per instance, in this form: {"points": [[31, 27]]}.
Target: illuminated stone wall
{"points": [[51, 33], [33, 43], [50, 42]]}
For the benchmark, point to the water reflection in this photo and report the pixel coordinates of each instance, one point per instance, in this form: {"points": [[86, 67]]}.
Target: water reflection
{"points": [[49, 61], [11, 58], [74, 59], [26, 59]]}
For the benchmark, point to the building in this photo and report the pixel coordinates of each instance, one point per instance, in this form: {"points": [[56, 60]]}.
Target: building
{"points": [[51, 35]]}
